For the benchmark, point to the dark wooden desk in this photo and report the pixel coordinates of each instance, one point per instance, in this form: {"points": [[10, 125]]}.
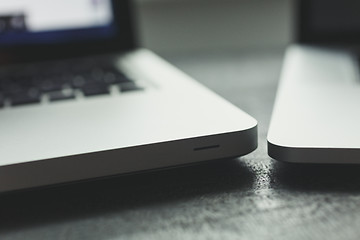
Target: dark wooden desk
{"points": [[252, 197]]}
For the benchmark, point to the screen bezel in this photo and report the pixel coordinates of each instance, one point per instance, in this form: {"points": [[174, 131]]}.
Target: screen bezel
{"points": [[123, 40], [305, 34]]}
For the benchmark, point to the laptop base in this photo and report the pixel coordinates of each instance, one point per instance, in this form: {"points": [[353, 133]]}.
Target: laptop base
{"points": [[173, 121], [316, 113]]}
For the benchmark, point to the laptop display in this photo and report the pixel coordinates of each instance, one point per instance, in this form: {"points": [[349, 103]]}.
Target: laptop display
{"points": [[323, 21], [335, 16], [56, 21]]}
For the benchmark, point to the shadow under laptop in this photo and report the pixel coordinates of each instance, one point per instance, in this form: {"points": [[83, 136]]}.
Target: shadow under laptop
{"points": [[26, 209], [317, 177]]}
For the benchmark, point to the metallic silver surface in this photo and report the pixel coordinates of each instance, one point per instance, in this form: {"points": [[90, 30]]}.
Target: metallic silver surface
{"points": [[108, 135], [315, 116]]}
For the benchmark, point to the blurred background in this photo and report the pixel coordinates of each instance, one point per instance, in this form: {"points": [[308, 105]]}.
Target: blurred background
{"points": [[173, 26]]}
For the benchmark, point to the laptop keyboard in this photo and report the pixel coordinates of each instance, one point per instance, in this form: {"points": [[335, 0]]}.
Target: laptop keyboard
{"points": [[60, 81]]}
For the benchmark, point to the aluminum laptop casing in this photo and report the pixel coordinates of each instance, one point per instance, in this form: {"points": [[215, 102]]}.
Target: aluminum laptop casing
{"points": [[316, 114], [173, 121]]}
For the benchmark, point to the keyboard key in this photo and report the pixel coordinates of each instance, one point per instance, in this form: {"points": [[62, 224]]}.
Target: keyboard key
{"points": [[25, 82], [109, 78], [61, 95], [25, 97], [78, 81], [96, 74], [113, 78], [12, 88], [51, 84], [95, 89], [129, 86]]}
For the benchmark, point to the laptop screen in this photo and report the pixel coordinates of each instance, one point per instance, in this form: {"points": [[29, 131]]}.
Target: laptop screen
{"points": [[55, 21], [335, 16], [329, 21]]}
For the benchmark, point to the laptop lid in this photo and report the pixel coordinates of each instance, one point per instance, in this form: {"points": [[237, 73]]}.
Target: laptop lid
{"points": [[328, 22], [42, 29]]}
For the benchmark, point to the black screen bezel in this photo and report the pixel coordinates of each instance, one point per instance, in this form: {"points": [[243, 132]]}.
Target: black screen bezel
{"points": [[305, 34], [123, 40]]}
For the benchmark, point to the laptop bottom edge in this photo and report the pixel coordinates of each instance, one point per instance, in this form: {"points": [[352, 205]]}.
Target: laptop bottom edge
{"points": [[126, 160]]}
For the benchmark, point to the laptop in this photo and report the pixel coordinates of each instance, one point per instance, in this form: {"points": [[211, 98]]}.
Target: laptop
{"points": [[316, 114], [80, 101]]}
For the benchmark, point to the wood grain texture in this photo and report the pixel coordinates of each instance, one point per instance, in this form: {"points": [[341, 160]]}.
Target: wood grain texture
{"points": [[252, 197]]}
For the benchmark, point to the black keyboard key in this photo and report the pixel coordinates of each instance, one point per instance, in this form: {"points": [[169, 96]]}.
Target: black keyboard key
{"points": [[23, 82], [78, 81], [25, 97], [129, 86], [82, 65], [10, 89], [95, 89], [114, 78], [109, 78], [96, 74], [51, 84], [111, 68], [61, 95]]}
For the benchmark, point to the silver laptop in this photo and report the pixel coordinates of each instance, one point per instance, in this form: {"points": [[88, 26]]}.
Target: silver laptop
{"points": [[316, 113], [80, 101]]}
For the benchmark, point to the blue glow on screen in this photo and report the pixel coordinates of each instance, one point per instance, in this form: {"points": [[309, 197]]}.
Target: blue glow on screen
{"points": [[55, 21], [60, 36]]}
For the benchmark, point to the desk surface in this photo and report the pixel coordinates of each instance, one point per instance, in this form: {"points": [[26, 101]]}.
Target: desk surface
{"points": [[252, 197]]}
